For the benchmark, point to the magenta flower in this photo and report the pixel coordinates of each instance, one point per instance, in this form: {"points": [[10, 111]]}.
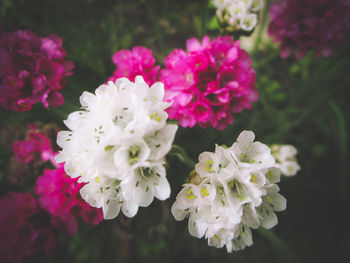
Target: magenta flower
{"points": [[32, 69], [59, 196], [58, 193], [138, 61], [37, 146], [300, 26], [25, 229], [208, 83]]}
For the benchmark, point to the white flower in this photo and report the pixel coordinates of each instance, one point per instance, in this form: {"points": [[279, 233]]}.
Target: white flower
{"points": [[285, 159], [243, 238], [117, 146], [237, 9], [231, 191], [248, 22], [237, 15], [221, 4], [249, 154]]}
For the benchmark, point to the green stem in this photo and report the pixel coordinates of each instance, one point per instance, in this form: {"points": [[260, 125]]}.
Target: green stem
{"points": [[283, 250], [180, 153], [262, 26]]}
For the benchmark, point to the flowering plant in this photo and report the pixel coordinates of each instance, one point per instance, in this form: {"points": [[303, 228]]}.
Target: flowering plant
{"points": [[300, 26], [238, 15], [33, 69], [119, 182], [131, 63], [208, 83], [231, 191], [117, 145]]}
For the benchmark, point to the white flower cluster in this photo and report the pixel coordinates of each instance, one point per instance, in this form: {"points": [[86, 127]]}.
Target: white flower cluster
{"points": [[238, 14], [117, 145], [286, 162], [231, 191]]}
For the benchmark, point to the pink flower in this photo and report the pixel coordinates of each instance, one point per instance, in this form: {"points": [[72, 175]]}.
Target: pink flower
{"points": [[300, 26], [138, 61], [25, 230], [32, 69], [59, 196], [209, 82], [36, 146]]}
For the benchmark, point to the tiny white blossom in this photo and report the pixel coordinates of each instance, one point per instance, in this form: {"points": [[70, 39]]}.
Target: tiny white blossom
{"points": [[243, 238], [248, 22], [221, 4], [285, 159], [235, 15], [249, 154], [117, 146], [237, 9]]}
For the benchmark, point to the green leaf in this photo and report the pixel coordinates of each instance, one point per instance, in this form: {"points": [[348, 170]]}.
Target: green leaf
{"points": [[180, 153], [213, 24]]}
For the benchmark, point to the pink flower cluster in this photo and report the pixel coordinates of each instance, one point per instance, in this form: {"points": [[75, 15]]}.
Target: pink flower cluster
{"points": [[59, 196], [58, 193], [25, 230], [138, 61], [300, 26], [32, 69], [36, 146], [28, 225], [209, 83]]}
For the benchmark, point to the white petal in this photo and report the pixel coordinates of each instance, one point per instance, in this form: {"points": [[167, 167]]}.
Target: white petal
{"points": [[162, 190], [289, 168], [245, 139], [276, 201], [179, 214], [250, 218], [130, 208], [139, 79], [64, 138], [87, 99], [247, 236], [269, 218], [196, 228], [156, 91], [143, 195], [111, 210]]}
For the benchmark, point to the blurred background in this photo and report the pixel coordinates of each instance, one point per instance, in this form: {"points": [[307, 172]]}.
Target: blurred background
{"points": [[301, 102]]}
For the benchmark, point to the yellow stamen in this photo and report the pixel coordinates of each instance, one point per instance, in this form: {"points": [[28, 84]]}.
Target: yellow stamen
{"points": [[204, 191], [190, 194]]}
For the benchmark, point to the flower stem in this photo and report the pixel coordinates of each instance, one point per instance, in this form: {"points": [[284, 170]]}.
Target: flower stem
{"points": [[180, 153], [283, 250]]}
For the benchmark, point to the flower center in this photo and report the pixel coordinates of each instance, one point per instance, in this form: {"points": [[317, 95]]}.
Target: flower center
{"points": [[134, 153]]}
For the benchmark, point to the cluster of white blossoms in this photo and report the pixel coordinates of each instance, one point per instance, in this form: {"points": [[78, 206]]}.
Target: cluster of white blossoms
{"points": [[117, 146], [286, 162], [231, 191], [238, 14]]}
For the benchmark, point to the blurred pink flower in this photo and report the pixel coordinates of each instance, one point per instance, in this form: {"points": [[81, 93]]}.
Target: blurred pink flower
{"points": [[36, 146], [25, 229], [59, 196], [300, 26], [208, 83], [138, 61], [32, 69]]}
